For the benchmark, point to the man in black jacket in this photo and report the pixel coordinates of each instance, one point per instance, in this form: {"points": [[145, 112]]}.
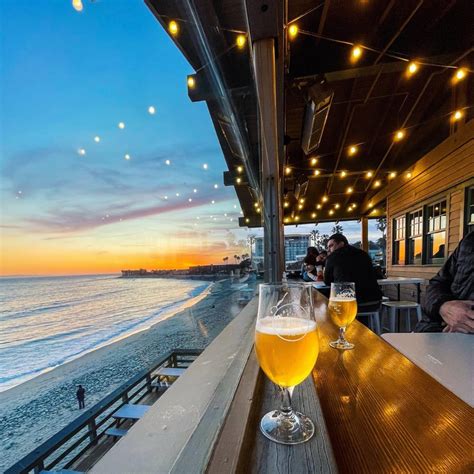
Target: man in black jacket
{"points": [[347, 263], [449, 300]]}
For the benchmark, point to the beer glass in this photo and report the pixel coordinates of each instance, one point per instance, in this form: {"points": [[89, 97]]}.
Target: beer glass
{"points": [[287, 346], [342, 310]]}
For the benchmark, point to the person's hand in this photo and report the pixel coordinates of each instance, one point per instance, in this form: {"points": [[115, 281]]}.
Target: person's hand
{"points": [[458, 316]]}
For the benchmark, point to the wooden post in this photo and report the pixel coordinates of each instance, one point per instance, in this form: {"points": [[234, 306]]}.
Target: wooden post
{"points": [[92, 428], [364, 222]]}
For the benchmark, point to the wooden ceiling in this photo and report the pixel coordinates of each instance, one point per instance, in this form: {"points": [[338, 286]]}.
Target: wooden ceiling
{"points": [[373, 98]]}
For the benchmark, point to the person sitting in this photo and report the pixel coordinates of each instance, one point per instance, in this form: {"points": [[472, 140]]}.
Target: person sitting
{"points": [[449, 299], [348, 263], [309, 272], [313, 251], [321, 258]]}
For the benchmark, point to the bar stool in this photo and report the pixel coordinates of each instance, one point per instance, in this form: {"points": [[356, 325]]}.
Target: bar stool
{"points": [[373, 318], [398, 306]]}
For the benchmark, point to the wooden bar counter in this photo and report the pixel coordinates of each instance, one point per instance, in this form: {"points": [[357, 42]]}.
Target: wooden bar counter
{"points": [[375, 411]]}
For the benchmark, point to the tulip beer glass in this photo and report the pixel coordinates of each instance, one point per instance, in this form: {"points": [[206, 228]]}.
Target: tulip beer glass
{"points": [[287, 346], [342, 310]]}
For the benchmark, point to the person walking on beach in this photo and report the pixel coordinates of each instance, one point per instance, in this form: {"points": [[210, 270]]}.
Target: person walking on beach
{"points": [[81, 394]]}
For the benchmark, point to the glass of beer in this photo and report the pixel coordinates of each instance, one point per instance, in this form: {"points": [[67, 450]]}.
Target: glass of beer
{"points": [[287, 346], [342, 310]]}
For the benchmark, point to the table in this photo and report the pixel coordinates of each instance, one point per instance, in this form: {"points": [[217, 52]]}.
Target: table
{"points": [[382, 413], [397, 281], [130, 412], [447, 357], [170, 371]]}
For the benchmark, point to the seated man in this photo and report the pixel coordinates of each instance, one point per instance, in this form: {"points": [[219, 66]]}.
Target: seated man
{"points": [[449, 300], [348, 263]]}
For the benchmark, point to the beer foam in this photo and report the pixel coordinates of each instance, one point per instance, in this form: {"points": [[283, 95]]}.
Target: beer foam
{"points": [[285, 326], [341, 299]]}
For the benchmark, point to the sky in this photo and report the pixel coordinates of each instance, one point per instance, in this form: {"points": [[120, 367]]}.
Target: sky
{"points": [[70, 204]]}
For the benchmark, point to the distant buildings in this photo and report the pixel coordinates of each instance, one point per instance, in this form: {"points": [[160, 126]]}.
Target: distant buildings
{"points": [[295, 247]]}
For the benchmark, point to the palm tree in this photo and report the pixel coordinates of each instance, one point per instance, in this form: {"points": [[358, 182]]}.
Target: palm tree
{"points": [[225, 259]]}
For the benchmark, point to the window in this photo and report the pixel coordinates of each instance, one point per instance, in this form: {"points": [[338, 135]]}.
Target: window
{"points": [[436, 232], [399, 240], [469, 211], [415, 237]]}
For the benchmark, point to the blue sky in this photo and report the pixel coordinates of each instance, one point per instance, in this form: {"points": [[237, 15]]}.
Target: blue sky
{"points": [[67, 77]]}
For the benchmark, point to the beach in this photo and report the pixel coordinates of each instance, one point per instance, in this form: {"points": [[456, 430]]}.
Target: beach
{"points": [[33, 411]]}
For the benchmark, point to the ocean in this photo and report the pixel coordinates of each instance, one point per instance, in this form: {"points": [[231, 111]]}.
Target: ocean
{"points": [[48, 321]]}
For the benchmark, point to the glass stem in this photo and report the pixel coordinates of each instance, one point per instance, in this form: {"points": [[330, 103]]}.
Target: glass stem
{"points": [[342, 334], [286, 395]]}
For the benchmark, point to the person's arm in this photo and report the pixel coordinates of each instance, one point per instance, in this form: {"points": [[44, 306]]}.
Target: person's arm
{"points": [[329, 271], [438, 291]]}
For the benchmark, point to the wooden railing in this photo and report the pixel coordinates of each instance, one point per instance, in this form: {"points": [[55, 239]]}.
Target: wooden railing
{"points": [[67, 446]]}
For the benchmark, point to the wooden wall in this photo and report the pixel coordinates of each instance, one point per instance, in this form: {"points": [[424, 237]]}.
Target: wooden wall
{"points": [[444, 172]]}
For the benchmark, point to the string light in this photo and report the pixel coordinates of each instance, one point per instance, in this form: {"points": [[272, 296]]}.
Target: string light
{"points": [[343, 174], [369, 174], [302, 200], [331, 212], [352, 150], [195, 190], [287, 170], [213, 202], [173, 28], [349, 209], [457, 116], [459, 75], [77, 5], [325, 199], [121, 125], [392, 175], [354, 205], [151, 110], [293, 31], [204, 166], [356, 53], [191, 82], [81, 152], [97, 139], [216, 186], [300, 206], [318, 206], [317, 172], [190, 200], [167, 162], [238, 180], [240, 169], [399, 135], [258, 210], [286, 220], [247, 220], [349, 190], [314, 161], [297, 218], [240, 41], [177, 195], [127, 156], [286, 204], [412, 68], [408, 175], [337, 205], [377, 183]]}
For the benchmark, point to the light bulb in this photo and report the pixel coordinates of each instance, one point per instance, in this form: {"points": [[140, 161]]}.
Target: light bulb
{"points": [[97, 139], [412, 68], [173, 27], [121, 125], [77, 5], [191, 82], [399, 135], [356, 53], [293, 31], [352, 150], [151, 110], [457, 115], [240, 41]]}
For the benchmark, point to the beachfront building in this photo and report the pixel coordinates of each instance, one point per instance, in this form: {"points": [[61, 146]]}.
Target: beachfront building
{"points": [[295, 247], [329, 111]]}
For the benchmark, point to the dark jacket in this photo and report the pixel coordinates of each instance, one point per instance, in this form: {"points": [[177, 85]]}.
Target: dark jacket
{"points": [[455, 280], [80, 394], [351, 264]]}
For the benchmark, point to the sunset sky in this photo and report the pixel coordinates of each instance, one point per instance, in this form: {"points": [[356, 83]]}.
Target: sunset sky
{"points": [[70, 204]]}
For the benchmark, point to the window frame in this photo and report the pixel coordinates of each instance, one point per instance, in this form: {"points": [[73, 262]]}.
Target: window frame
{"points": [[468, 224], [410, 238], [395, 240], [428, 233]]}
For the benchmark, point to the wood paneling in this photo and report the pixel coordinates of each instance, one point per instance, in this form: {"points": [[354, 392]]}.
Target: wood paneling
{"points": [[442, 174]]}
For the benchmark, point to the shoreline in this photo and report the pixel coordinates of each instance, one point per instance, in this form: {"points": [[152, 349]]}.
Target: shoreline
{"points": [[35, 410], [52, 372]]}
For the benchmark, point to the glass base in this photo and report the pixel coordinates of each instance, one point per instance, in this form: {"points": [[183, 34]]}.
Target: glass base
{"points": [[342, 345], [295, 428]]}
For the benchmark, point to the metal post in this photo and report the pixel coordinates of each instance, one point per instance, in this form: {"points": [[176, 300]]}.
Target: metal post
{"points": [[92, 428], [364, 222], [265, 79]]}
